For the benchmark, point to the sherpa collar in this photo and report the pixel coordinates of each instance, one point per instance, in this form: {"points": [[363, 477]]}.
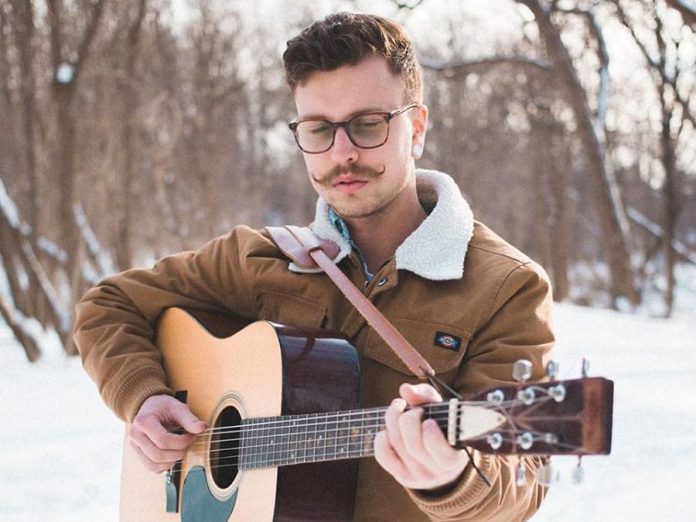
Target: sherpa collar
{"points": [[437, 248]]}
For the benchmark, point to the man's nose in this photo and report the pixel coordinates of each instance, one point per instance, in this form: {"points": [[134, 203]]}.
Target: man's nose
{"points": [[343, 150]]}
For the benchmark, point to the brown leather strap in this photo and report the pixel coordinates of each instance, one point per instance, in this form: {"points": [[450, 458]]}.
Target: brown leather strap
{"points": [[296, 250], [309, 251]]}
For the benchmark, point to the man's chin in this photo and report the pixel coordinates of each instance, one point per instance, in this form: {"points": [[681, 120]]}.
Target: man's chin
{"points": [[357, 211]]}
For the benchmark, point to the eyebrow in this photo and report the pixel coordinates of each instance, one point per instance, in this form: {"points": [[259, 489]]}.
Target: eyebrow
{"points": [[350, 115]]}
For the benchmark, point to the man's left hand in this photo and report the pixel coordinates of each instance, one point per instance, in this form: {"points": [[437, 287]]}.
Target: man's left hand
{"points": [[413, 451]]}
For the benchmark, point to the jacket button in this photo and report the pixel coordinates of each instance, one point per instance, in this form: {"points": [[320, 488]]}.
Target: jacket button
{"points": [[382, 281]]}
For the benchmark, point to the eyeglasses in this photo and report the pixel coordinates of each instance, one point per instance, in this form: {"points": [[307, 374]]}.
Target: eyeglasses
{"points": [[366, 131]]}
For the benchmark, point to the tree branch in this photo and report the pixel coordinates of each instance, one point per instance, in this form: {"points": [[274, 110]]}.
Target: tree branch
{"points": [[603, 54], [656, 66], [687, 11], [465, 66], [407, 5]]}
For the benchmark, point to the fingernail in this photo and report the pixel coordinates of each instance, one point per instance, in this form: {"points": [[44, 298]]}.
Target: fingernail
{"points": [[399, 403], [431, 424]]}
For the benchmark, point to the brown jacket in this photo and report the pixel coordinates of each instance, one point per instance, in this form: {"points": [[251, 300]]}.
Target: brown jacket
{"points": [[452, 275]]}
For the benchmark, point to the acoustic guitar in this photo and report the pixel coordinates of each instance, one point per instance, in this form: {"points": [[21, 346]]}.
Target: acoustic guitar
{"points": [[285, 427]]}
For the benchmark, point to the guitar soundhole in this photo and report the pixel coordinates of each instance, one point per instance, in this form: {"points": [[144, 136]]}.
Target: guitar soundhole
{"points": [[224, 448]]}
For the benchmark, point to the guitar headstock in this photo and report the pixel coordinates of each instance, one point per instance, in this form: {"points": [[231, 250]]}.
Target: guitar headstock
{"points": [[570, 417]]}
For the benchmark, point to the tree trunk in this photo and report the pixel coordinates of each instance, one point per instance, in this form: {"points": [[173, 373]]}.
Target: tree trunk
{"points": [[124, 248], [606, 197], [669, 198]]}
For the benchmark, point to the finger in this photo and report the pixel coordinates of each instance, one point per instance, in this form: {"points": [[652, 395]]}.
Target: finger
{"points": [[151, 426], [415, 394], [391, 421], [157, 467], [438, 449], [159, 457], [410, 427], [388, 458], [183, 417]]}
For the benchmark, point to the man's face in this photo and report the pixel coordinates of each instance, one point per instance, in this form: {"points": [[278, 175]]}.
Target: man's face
{"points": [[361, 182]]}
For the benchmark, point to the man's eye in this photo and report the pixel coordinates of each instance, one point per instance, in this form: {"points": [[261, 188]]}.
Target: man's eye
{"points": [[367, 123], [318, 127]]}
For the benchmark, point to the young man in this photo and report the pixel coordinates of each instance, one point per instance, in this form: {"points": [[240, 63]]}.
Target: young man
{"points": [[406, 236]]}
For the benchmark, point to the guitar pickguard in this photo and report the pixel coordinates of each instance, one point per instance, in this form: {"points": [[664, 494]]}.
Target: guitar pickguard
{"points": [[198, 503]]}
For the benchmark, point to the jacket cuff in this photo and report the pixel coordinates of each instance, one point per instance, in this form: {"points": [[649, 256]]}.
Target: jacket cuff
{"points": [[135, 389], [468, 493]]}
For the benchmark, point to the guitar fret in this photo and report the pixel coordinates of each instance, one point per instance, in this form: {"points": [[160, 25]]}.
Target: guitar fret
{"points": [[296, 439], [242, 462]]}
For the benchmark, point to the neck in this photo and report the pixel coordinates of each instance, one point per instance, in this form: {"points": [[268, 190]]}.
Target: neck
{"points": [[380, 234], [317, 437]]}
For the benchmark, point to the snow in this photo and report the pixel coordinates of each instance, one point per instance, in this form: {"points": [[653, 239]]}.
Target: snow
{"points": [[60, 456], [8, 208], [96, 251]]}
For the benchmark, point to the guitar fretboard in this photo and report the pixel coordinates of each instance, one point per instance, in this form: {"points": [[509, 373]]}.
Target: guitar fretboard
{"points": [[297, 439]]}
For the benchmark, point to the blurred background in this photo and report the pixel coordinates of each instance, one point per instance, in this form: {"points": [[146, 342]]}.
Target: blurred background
{"points": [[137, 128]]}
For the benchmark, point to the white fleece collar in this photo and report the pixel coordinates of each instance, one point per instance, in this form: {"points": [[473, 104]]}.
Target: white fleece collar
{"points": [[437, 248]]}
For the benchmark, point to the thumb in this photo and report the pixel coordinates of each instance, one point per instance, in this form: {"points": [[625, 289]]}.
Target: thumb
{"points": [[183, 416], [415, 394]]}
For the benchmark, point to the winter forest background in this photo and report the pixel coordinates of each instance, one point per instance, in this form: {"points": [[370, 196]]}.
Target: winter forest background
{"points": [[131, 129]]}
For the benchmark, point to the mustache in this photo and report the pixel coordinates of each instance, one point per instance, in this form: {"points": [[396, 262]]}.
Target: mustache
{"points": [[355, 169]]}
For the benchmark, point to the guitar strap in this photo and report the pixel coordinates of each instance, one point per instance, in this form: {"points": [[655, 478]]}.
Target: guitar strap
{"points": [[307, 250]]}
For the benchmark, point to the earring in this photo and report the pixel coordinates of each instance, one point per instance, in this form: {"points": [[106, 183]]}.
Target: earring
{"points": [[417, 150]]}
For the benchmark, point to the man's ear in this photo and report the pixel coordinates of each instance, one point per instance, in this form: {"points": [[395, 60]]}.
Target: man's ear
{"points": [[420, 127]]}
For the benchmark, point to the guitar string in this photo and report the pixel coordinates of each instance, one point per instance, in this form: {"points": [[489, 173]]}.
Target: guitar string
{"points": [[371, 424], [366, 450], [269, 451], [252, 429], [309, 418], [251, 432], [268, 459], [337, 442], [346, 416]]}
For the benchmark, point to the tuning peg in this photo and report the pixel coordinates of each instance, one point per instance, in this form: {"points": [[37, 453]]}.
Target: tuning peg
{"points": [[522, 370], [547, 474], [495, 440], [578, 472], [557, 392], [585, 367], [525, 440], [552, 370], [520, 474]]}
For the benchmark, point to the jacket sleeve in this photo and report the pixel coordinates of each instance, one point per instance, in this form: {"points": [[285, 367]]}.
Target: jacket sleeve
{"points": [[516, 325], [115, 321]]}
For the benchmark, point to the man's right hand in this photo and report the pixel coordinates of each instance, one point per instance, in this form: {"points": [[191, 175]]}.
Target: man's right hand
{"points": [[151, 431]]}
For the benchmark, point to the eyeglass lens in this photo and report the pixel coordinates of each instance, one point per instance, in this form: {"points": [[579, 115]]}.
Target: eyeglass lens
{"points": [[368, 130]]}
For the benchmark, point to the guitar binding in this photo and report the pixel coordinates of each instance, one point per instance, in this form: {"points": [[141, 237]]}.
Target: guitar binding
{"points": [[223, 466]]}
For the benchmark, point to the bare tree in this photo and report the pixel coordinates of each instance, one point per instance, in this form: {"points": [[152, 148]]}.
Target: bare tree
{"points": [[607, 199], [67, 66], [666, 66]]}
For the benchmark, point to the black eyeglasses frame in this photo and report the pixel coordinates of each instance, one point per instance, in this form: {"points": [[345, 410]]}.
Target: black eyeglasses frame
{"points": [[388, 116]]}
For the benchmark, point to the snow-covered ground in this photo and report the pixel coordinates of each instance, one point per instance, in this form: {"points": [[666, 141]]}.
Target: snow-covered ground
{"points": [[60, 447]]}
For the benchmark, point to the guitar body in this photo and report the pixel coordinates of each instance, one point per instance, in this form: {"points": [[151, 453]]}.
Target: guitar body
{"points": [[263, 370]]}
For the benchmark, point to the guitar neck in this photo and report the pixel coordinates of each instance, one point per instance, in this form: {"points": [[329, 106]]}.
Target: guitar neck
{"points": [[556, 418], [297, 439]]}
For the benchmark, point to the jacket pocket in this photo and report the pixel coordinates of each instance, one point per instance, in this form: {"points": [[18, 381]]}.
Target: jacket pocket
{"points": [[291, 310], [442, 345]]}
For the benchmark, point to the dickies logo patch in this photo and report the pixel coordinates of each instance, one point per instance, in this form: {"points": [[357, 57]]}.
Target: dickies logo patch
{"points": [[448, 341]]}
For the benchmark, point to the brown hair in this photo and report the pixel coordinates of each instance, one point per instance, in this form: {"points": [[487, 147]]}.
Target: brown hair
{"points": [[346, 39]]}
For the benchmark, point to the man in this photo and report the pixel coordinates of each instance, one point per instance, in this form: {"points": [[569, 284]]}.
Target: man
{"points": [[406, 236]]}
